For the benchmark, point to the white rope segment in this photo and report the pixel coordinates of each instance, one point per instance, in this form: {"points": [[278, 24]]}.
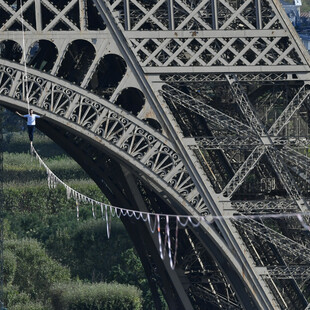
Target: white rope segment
{"points": [[154, 220]]}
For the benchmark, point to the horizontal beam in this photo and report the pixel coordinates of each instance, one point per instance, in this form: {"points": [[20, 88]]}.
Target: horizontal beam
{"points": [[179, 34], [226, 69]]}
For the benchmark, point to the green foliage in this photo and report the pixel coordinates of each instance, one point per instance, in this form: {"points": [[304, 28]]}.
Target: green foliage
{"points": [[32, 210], [42, 199], [100, 296], [29, 306], [18, 142], [305, 6], [7, 232], [129, 270], [9, 266], [14, 299], [32, 257], [11, 122], [14, 296], [87, 250], [23, 167]]}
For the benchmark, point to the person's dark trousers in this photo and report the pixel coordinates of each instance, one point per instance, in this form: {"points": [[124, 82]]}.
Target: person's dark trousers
{"points": [[30, 132]]}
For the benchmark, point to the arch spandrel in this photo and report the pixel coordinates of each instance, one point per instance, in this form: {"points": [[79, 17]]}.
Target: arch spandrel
{"points": [[172, 43], [142, 148], [103, 119]]}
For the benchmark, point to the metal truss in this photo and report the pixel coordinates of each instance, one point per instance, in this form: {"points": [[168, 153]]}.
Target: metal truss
{"points": [[203, 78], [205, 277], [217, 118], [290, 272], [248, 142], [299, 142], [275, 159], [216, 299], [299, 163], [223, 142], [302, 94], [233, 44], [295, 253], [200, 152], [265, 206], [243, 171]]}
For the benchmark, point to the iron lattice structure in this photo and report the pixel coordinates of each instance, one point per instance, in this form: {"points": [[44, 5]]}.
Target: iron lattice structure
{"points": [[180, 107]]}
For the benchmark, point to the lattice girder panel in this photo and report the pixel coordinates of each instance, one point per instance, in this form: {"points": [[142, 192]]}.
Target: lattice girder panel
{"points": [[195, 50], [48, 16], [202, 274], [181, 38], [207, 34]]}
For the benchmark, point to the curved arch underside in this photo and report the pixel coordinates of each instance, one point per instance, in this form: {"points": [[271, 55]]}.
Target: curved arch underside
{"points": [[79, 135], [202, 107]]}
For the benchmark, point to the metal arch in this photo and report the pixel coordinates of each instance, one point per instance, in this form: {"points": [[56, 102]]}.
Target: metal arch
{"points": [[229, 234], [178, 38], [84, 153], [13, 101], [154, 61], [113, 126]]}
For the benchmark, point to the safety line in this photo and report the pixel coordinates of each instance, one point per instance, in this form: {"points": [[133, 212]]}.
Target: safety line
{"points": [[53, 180], [156, 220]]}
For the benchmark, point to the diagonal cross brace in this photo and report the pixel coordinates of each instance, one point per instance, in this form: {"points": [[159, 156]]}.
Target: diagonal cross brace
{"points": [[212, 115], [259, 128], [302, 94], [239, 177]]}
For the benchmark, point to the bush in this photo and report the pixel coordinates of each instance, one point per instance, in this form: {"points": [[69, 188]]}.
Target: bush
{"points": [[130, 271], [9, 266], [35, 272], [13, 295], [29, 306], [40, 198], [100, 296], [87, 250]]}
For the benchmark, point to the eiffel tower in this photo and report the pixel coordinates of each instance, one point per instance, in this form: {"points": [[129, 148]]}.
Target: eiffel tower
{"points": [[191, 107]]}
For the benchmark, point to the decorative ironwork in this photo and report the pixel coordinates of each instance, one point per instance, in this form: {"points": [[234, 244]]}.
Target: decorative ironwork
{"points": [[226, 82]]}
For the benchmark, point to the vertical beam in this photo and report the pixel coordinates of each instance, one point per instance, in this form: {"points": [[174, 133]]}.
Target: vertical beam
{"points": [[215, 24], [38, 15], [83, 15], [127, 15], [1, 211], [258, 14], [171, 15]]}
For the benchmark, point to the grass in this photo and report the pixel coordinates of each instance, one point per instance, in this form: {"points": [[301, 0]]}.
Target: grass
{"points": [[17, 142], [22, 170], [26, 162], [73, 183]]}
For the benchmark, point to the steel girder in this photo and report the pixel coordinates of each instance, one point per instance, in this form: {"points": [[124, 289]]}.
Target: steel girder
{"points": [[227, 145], [114, 140]]}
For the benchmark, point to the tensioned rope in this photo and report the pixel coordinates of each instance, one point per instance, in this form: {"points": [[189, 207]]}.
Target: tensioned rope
{"points": [[154, 220]]}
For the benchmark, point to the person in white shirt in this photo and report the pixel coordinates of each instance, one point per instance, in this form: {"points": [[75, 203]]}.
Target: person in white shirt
{"points": [[31, 123]]}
